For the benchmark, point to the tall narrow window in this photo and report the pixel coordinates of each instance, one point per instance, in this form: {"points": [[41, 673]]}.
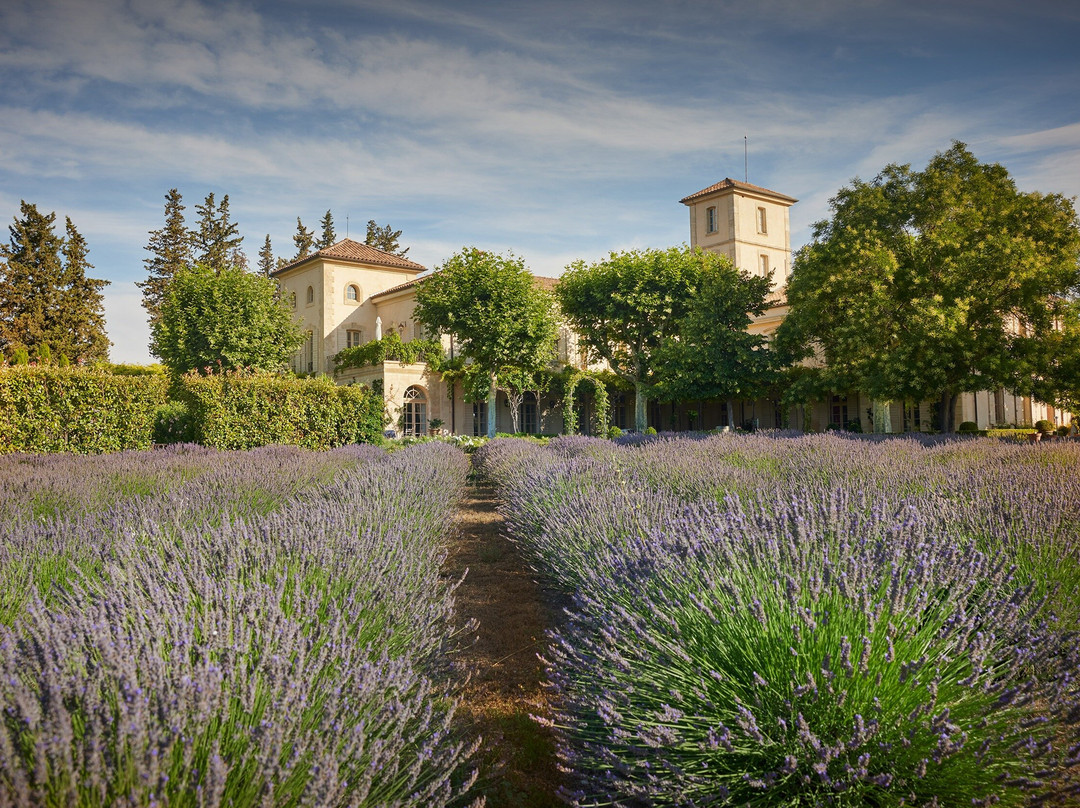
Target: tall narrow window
{"points": [[529, 422], [307, 354], [710, 220], [762, 224], [479, 418], [414, 413], [764, 265], [310, 294]]}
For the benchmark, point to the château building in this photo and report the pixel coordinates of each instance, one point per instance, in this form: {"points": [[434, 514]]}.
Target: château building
{"points": [[350, 293]]}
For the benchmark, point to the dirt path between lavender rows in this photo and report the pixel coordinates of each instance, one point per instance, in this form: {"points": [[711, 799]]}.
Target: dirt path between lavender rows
{"points": [[518, 756]]}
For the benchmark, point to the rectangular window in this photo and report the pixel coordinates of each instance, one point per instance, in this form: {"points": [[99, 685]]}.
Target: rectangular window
{"points": [[353, 338], [762, 224], [529, 423], [839, 411], [710, 220], [479, 419], [417, 331], [764, 265], [307, 354]]}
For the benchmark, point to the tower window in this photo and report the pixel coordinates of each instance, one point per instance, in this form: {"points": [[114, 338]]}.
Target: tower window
{"points": [[352, 293], [710, 220], [764, 265], [310, 294], [762, 223]]}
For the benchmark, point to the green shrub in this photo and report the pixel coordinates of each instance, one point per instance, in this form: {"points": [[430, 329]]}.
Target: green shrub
{"points": [[1044, 426], [650, 431], [76, 409], [1018, 434], [854, 425], [173, 424], [237, 410], [968, 426], [614, 432]]}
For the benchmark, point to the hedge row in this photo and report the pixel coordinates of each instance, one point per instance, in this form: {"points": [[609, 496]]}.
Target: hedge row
{"points": [[90, 411], [73, 409], [236, 411]]}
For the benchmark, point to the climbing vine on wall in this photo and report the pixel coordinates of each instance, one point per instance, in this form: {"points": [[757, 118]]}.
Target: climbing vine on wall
{"points": [[600, 398]]}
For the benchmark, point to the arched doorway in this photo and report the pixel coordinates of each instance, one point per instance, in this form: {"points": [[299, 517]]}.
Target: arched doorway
{"points": [[414, 419]]}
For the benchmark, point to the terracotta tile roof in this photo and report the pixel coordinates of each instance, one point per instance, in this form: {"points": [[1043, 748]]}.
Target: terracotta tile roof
{"points": [[547, 284], [349, 250], [729, 183], [399, 287]]}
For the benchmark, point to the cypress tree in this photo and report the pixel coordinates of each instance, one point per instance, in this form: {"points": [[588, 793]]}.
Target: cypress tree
{"points": [[328, 234], [304, 239], [79, 332], [266, 257], [47, 303], [170, 248], [29, 280], [217, 240], [384, 238]]}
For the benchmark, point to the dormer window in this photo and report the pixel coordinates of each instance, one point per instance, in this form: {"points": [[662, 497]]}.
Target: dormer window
{"points": [[710, 220], [352, 293]]}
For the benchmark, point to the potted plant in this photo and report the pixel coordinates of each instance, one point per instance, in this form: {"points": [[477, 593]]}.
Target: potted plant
{"points": [[1044, 429], [434, 425]]}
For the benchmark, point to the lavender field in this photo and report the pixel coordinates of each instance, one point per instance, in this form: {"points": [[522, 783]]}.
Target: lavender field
{"points": [[796, 621], [190, 627]]}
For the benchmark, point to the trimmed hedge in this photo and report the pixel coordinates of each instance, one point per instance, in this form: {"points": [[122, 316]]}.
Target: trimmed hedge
{"points": [[45, 408], [242, 411]]}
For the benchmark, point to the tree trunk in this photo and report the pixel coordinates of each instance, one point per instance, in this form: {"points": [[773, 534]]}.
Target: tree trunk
{"points": [[641, 409], [947, 412], [492, 394], [730, 414]]}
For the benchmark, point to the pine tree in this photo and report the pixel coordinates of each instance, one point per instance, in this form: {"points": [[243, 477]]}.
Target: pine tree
{"points": [[47, 303], [328, 234], [29, 281], [266, 257], [304, 239], [79, 330], [384, 238], [217, 240], [171, 250]]}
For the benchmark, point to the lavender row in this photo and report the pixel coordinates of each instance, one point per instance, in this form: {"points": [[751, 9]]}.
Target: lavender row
{"points": [[262, 628], [772, 620]]}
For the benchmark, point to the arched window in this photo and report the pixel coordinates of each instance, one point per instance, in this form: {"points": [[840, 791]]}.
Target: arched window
{"points": [[311, 294], [414, 413], [352, 293]]}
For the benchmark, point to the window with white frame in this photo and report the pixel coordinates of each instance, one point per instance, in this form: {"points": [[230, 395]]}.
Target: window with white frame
{"points": [[414, 413], [764, 262], [352, 293], [762, 222], [354, 338]]}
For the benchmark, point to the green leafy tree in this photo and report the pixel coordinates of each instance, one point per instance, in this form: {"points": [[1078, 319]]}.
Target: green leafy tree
{"points": [[170, 251], [304, 240], [47, 304], [927, 284], [266, 258], [328, 234], [217, 240], [225, 318], [79, 332], [1054, 362], [497, 315], [628, 306], [713, 354], [384, 238]]}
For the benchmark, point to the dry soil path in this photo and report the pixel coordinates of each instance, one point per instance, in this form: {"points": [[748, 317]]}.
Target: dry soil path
{"points": [[519, 760]]}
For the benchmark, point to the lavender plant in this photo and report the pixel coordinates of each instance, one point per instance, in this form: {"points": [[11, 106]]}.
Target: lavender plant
{"points": [[818, 621], [287, 650]]}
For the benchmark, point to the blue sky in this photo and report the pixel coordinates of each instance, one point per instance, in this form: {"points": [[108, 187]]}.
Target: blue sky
{"points": [[558, 130]]}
